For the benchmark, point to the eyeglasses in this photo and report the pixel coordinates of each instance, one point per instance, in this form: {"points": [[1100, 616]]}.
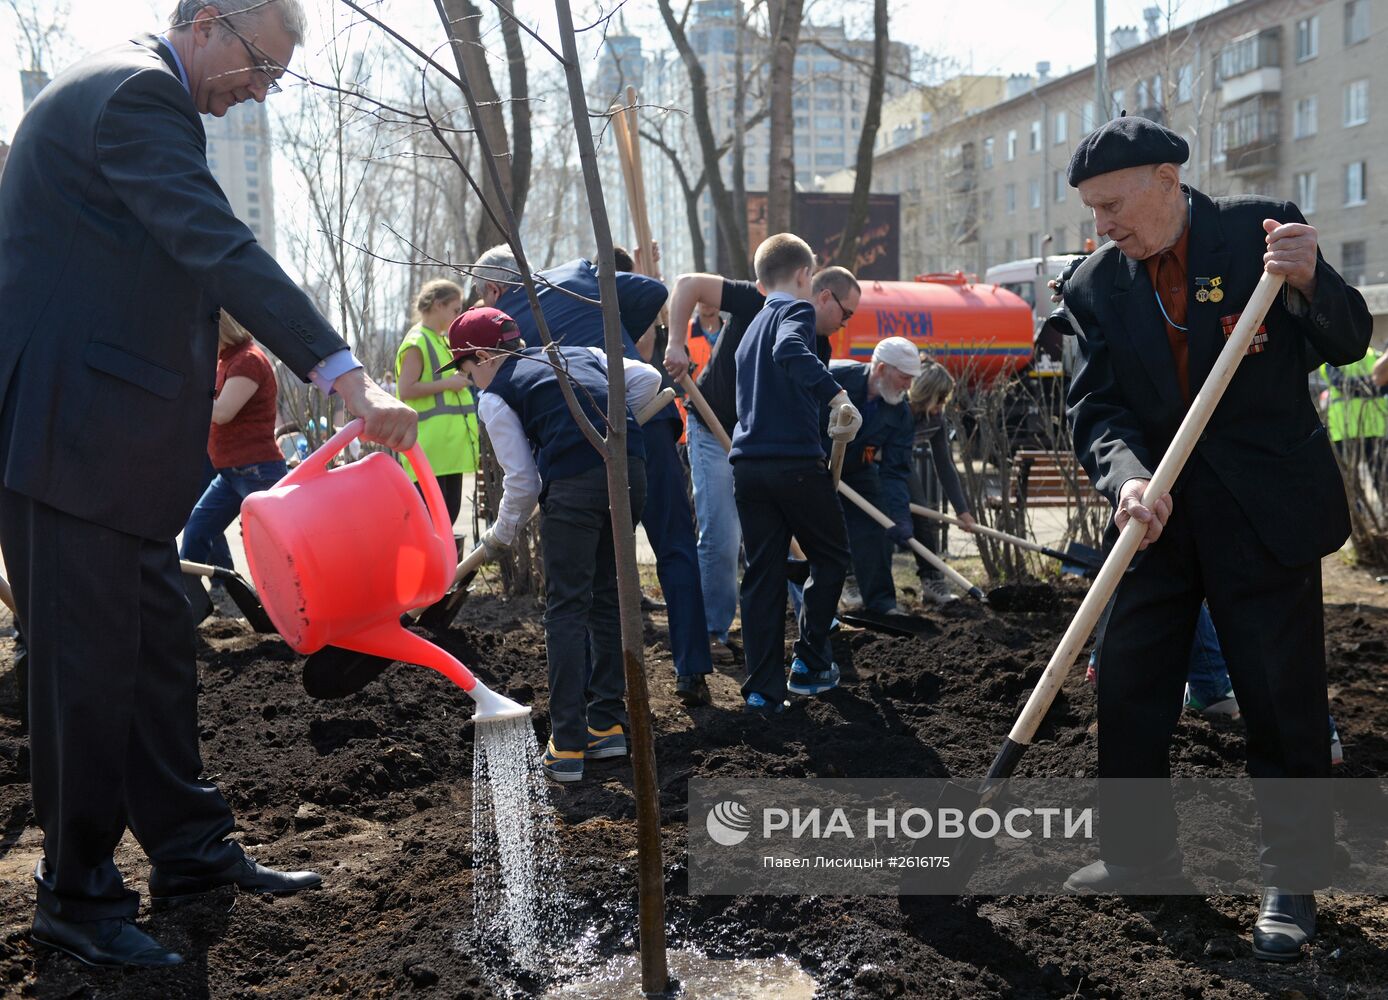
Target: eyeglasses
{"points": [[847, 313], [261, 65]]}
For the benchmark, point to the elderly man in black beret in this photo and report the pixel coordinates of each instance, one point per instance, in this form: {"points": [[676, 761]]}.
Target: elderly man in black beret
{"points": [[1258, 505]]}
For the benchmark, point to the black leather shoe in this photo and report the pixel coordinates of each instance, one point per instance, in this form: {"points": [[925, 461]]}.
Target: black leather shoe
{"points": [[246, 875], [1104, 877], [113, 942], [693, 690], [1286, 921]]}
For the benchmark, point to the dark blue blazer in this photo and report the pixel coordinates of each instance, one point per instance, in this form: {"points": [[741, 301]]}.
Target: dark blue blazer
{"points": [[1264, 441], [117, 249]]}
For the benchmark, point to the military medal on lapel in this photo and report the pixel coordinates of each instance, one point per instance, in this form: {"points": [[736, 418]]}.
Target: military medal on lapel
{"points": [[1209, 290], [1216, 293], [1202, 294]]}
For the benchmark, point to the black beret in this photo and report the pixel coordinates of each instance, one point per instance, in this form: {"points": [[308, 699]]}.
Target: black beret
{"points": [[1129, 141]]}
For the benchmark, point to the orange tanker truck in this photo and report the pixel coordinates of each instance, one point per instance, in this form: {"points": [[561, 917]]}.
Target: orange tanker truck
{"points": [[979, 332]]}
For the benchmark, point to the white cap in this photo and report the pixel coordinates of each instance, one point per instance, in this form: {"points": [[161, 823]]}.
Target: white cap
{"points": [[900, 353]]}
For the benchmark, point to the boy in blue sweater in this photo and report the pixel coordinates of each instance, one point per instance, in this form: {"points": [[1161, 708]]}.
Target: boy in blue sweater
{"points": [[780, 481]]}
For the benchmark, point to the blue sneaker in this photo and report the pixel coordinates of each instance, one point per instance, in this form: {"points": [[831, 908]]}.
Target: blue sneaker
{"points": [[562, 765], [758, 704], [608, 743], [805, 681]]}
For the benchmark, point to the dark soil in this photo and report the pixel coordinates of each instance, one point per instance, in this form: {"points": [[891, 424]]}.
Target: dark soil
{"points": [[374, 792]]}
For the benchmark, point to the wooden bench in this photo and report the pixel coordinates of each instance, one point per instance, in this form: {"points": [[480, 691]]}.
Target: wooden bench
{"points": [[1049, 479]]}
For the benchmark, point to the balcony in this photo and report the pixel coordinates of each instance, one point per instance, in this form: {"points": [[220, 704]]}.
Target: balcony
{"points": [[1250, 65], [1250, 133]]}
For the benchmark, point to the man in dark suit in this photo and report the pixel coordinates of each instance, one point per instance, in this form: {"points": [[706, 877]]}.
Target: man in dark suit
{"points": [[108, 214], [1258, 505]]}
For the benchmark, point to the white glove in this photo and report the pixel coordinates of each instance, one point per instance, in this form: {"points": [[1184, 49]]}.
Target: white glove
{"points": [[493, 546], [844, 418]]}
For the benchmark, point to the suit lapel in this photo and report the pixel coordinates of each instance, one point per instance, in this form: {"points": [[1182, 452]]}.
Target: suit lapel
{"points": [[1208, 258], [1133, 300]]}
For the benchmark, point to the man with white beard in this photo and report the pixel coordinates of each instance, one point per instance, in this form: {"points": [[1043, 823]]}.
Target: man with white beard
{"points": [[878, 463]]}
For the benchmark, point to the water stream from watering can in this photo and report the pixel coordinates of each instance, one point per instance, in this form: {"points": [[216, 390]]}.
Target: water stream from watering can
{"points": [[519, 908]]}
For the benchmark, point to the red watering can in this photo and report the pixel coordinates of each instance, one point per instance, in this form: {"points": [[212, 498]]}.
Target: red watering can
{"points": [[338, 555]]}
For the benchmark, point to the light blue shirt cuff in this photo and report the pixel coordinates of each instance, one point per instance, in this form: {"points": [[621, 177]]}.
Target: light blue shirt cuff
{"points": [[335, 365]]}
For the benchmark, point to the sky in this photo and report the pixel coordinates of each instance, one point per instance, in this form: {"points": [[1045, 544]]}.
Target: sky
{"points": [[1019, 33]]}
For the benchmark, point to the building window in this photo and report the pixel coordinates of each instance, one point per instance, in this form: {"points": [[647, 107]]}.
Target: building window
{"points": [[987, 152], [1356, 103], [1185, 83], [1086, 232], [1356, 21], [1034, 187], [987, 200], [1058, 242], [1355, 188], [1144, 97], [1036, 135], [1033, 244], [1060, 185], [1061, 128], [1011, 145], [1009, 198], [1304, 120], [1120, 101], [253, 213], [1308, 38], [252, 198], [252, 181], [1353, 257], [828, 139], [1306, 192], [1009, 248], [1087, 118], [828, 104]]}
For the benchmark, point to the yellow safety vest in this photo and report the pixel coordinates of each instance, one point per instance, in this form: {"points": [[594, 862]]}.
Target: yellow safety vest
{"points": [[447, 419], [1352, 414]]}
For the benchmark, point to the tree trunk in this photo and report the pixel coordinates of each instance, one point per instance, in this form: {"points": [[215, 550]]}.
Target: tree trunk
{"points": [[847, 252], [463, 22], [786, 16], [731, 229], [522, 147], [651, 876]]}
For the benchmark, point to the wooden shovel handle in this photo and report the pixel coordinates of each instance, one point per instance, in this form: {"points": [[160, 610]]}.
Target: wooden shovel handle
{"points": [[1168, 470], [952, 575], [980, 529], [658, 402]]}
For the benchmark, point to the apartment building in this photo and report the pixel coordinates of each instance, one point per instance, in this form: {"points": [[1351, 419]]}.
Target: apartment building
{"points": [[1283, 98], [238, 152]]}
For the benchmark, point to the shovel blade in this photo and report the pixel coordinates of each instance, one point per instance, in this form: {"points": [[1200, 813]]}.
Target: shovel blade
{"points": [[334, 672], [248, 603], [439, 615], [198, 598]]}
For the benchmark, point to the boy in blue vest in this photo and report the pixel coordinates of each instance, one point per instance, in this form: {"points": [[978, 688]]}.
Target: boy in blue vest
{"points": [[780, 481], [545, 457]]}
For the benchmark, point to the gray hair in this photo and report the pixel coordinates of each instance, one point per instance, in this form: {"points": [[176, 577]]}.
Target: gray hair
{"points": [[291, 13], [497, 265]]}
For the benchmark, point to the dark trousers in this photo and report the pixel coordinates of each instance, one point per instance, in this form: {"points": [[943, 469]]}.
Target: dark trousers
{"points": [[926, 491], [113, 710], [669, 524], [451, 486], [870, 547], [1270, 624], [581, 604], [777, 499]]}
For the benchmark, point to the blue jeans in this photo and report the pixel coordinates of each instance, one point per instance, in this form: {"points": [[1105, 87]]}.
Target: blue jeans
{"points": [[720, 531], [221, 551], [1209, 676], [221, 503]]}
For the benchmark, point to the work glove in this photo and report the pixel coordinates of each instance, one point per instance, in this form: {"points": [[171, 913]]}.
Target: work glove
{"points": [[902, 532], [844, 418], [493, 546]]}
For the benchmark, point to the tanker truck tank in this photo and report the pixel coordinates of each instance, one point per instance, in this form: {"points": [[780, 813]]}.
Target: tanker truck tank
{"points": [[978, 332]]}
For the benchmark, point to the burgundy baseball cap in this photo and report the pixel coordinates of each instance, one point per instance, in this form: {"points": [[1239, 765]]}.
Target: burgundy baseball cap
{"points": [[480, 329]]}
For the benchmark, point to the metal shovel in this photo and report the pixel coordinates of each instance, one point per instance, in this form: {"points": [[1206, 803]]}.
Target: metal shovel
{"points": [[242, 593], [1168, 470], [334, 672], [1081, 560]]}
